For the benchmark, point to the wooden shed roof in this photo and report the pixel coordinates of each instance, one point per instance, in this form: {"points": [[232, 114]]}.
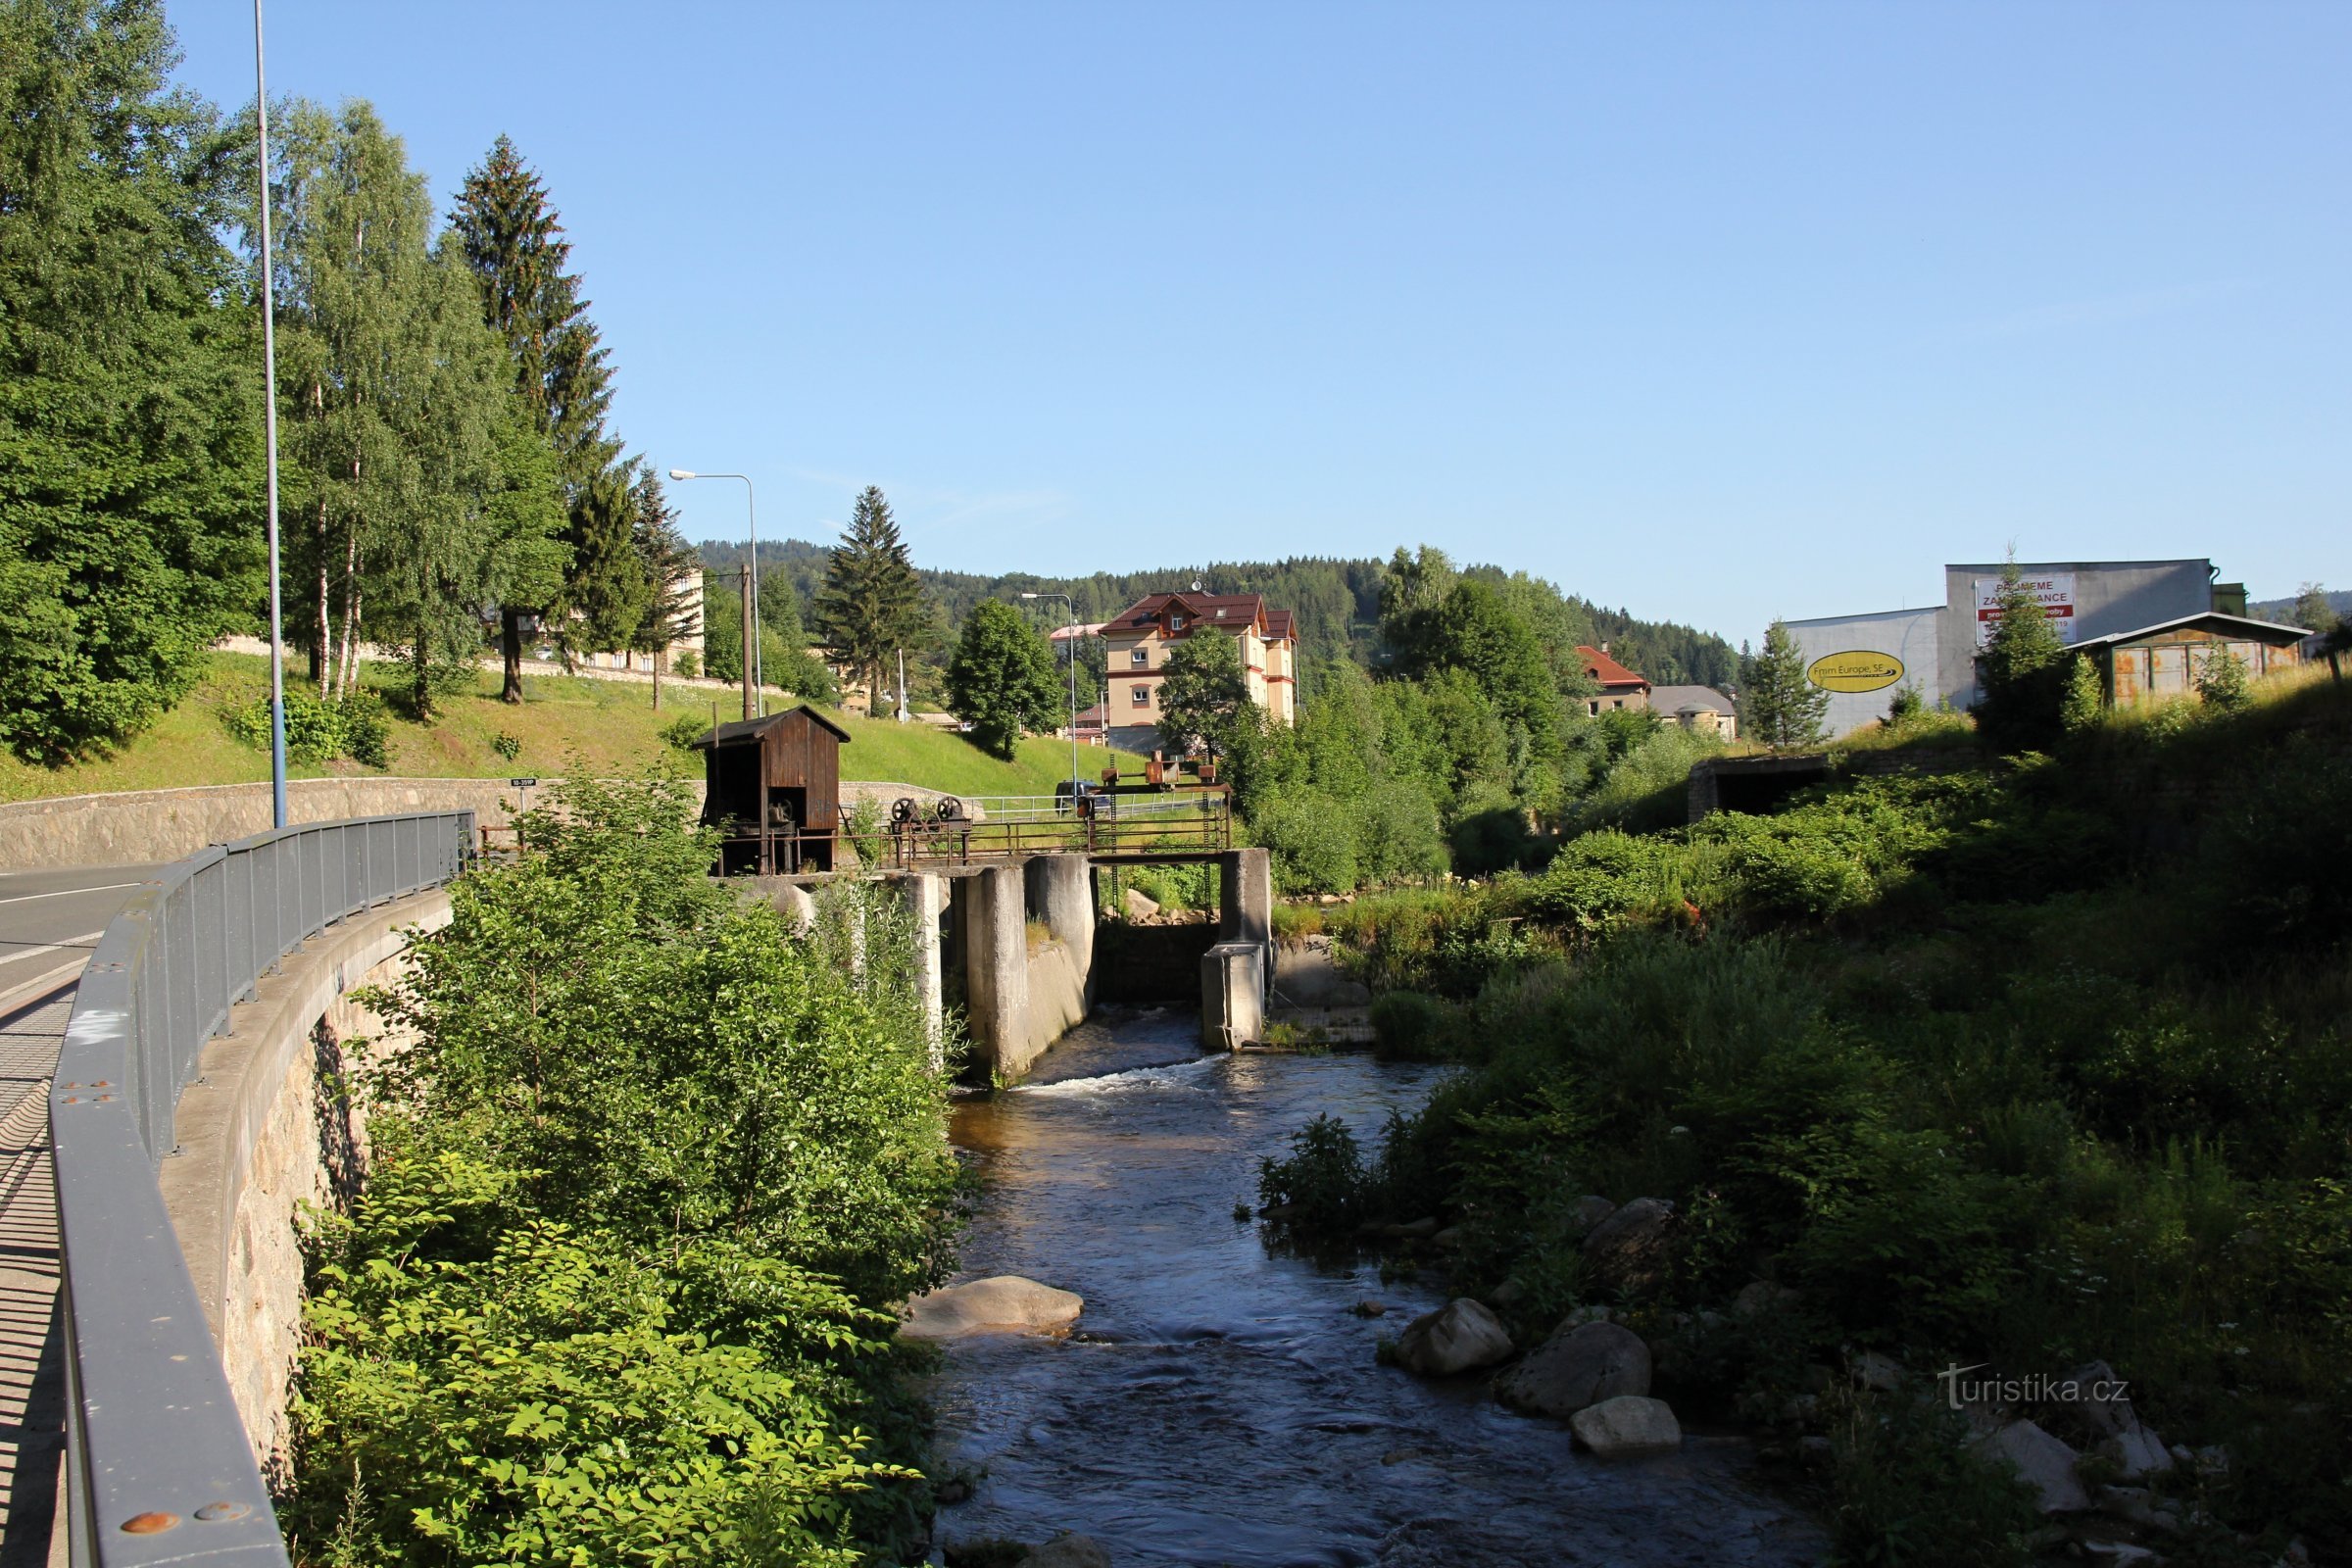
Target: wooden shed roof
{"points": [[750, 729], [2213, 621]]}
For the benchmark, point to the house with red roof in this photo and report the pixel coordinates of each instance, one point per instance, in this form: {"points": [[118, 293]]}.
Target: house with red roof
{"points": [[1141, 637], [1620, 687]]}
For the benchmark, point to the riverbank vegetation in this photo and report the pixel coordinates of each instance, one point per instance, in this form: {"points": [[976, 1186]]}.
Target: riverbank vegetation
{"points": [[643, 1189], [2029, 1063]]}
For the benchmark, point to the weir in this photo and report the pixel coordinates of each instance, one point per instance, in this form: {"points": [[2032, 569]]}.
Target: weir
{"points": [[1015, 945]]}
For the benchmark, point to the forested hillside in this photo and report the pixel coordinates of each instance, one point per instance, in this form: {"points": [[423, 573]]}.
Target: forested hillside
{"points": [[1337, 603]]}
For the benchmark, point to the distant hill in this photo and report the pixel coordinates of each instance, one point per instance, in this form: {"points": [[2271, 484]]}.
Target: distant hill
{"points": [[1337, 603], [2282, 610]]}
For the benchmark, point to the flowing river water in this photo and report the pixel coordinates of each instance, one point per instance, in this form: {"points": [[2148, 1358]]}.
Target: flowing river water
{"points": [[1218, 1402]]}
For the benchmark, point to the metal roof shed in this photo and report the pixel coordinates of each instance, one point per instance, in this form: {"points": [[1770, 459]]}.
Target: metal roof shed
{"points": [[772, 788], [2163, 660]]}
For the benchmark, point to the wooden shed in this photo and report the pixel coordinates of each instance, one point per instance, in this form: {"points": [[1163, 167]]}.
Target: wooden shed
{"points": [[2164, 660], [773, 791]]}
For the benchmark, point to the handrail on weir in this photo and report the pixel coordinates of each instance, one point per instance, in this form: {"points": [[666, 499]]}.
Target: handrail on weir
{"points": [[158, 1467]]}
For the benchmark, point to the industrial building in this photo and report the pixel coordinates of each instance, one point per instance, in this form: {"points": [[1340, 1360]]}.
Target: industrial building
{"points": [[2106, 608]]}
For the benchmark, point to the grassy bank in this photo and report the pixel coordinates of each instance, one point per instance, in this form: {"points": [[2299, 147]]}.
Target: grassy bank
{"points": [[610, 726], [2029, 1065]]}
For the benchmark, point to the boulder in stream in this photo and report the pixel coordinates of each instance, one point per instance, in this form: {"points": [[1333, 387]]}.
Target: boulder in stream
{"points": [[1629, 1425], [1630, 1251], [1590, 1363], [1069, 1551], [1004, 1305], [1462, 1336]]}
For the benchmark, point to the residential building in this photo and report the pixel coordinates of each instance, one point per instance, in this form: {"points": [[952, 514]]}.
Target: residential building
{"points": [[1698, 708], [1139, 638], [1620, 687]]}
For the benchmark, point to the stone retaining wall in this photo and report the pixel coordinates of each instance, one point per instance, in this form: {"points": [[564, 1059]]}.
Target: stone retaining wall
{"points": [[138, 826], [269, 1126]]}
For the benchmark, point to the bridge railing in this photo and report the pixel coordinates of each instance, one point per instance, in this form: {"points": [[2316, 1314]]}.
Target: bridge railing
{"points": [[1189, 823], [158, 1467]]}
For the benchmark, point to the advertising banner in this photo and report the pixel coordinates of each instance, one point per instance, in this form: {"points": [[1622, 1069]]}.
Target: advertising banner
{"points": [[2053, 591]]}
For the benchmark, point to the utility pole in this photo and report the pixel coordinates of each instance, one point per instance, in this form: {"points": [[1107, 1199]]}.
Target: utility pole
{"points": [[753, 675]]}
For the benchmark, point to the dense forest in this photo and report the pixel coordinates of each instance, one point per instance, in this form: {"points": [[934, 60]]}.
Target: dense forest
{"points": [[1337, 603]]}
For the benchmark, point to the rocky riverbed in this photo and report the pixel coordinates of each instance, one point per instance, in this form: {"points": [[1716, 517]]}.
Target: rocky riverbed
{"points": [[1218, 1401]]}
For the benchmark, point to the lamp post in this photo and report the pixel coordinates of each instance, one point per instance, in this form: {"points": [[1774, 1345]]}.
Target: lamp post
{"points": [[1073, 655], [277, 641], [755, 673]]}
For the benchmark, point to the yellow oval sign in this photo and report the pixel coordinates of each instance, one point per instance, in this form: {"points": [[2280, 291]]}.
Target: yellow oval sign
{"points": [[1855, 670]]}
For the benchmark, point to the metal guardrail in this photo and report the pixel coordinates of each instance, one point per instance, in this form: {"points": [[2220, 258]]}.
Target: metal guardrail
{"points": [[158, 1467]]}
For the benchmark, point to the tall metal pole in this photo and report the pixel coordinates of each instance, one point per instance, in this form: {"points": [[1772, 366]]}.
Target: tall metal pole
{"points": [[755, 668], [751, 649], [278, 642]]}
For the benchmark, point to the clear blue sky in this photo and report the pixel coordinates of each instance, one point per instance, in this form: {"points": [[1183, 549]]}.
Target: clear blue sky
{"points": [[1715, 312]]}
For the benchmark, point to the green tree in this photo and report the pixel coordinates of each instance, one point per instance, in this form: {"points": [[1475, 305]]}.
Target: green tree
{"points": [[1002, 678], [129, 416], [2222, 681], [2084, 703], [1472, 629], [673, 578], [2313, 612], [423, 506], [1412, 587], [872, 603], [1778, 706], [512, 241], [2021, 674], [1205, 697]]}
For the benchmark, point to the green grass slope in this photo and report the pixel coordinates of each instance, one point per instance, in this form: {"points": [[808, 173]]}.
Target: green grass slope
{"points": [[608, 727]]}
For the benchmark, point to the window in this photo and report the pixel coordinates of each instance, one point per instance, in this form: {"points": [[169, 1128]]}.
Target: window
{"points": [[1175, 623], [1619, 703], [1595, 707], [1141, 658], [1143, 697]]}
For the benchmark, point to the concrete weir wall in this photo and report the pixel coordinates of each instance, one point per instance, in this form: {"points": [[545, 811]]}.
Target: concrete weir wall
{"points": [[269, 1126]]}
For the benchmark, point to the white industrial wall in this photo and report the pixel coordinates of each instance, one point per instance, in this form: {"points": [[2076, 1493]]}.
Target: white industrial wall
{"points": [[2110, 596], [1908, 636]]}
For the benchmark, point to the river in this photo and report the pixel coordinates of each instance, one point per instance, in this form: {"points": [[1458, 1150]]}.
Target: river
{"points": [[1220, 1403]]}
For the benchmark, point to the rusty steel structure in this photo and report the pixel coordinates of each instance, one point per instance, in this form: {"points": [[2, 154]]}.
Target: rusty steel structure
{"points": [[1107, 826]]}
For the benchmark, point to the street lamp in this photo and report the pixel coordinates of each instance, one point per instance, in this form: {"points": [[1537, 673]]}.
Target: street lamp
{"points": [[755, 672], [1073, 653], [278, 640]]}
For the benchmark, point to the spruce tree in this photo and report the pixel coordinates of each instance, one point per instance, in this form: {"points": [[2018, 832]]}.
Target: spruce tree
{"points": [[1778, 706], [512, 241], [2021, 674], [673, 573], [2085, 701], [129, 410], [872, 603]]}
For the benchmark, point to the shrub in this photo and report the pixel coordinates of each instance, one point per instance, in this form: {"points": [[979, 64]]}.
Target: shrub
{"points": [[1909, 1490], [1407, 1027], [318, 729], [1313, 840], [507, 745], [684, 730], [2222, 680], [685, 663], [1321, 1180]]}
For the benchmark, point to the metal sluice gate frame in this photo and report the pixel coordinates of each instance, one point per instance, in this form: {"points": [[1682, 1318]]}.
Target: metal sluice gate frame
{"points": [[158, 1467]]}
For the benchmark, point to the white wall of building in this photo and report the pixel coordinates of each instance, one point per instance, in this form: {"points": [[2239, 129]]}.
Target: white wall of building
{"points": [[1910, 639]]}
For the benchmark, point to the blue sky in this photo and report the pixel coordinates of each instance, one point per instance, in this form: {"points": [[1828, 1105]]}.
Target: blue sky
{"points": [[1714, 311]]}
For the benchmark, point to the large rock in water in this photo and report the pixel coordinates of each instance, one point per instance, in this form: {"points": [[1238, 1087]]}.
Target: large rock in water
{"points": [[1004, 1305], [1630, 1250], [1626, 1426], [1462, 1336], [1590, 1363], [1069, 1551]]}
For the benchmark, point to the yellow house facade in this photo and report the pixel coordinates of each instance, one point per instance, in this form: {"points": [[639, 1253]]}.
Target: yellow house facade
{"points": [[1141, 637]]}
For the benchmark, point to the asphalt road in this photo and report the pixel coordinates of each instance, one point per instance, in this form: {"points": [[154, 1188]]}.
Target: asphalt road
{"points": [[51, 918]]}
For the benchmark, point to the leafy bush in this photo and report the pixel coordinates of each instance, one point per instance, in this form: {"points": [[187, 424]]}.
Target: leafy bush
{"points": [[1909, 1490], [1407, 1027], [1311, 841], [1321, 1180], [318, 729], [685, 664], [614, 1292], [482, 1383]]}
